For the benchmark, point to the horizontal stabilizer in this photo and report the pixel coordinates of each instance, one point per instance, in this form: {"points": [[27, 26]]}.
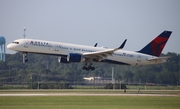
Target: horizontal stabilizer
{"points": [[158, 58]]}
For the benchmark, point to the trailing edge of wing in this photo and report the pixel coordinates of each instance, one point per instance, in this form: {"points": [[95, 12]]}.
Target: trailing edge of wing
{"points": [[99, 55]]}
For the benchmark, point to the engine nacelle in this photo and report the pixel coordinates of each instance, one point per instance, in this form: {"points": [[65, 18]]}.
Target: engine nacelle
{"points": [[62, 60], [74, 57]]}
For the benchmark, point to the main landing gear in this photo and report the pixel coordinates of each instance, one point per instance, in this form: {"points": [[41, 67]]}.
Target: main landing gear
{"points": [[25, 58], [88, 68]]}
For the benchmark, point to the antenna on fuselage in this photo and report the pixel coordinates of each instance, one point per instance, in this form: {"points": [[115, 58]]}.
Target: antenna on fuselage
{"points": [[24, 29]]}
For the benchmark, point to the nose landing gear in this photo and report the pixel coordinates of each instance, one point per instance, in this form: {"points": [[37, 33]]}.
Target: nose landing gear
{"points": [[25, 58]]}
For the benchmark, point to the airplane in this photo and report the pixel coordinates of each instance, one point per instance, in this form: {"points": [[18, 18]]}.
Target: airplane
{"points": [[69, 53]]}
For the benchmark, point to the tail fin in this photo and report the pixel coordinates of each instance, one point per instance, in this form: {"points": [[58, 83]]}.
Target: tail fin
{"points": [[156, 46]]}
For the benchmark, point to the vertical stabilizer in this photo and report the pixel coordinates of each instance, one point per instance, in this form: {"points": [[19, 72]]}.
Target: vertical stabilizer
{"points": [[156, 46]]}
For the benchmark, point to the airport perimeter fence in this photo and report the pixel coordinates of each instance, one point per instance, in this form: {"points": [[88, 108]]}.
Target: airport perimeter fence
{"points": [[87, 85]]}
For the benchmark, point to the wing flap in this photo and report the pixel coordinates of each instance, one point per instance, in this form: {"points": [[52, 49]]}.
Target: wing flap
{"points": [[99, 55]]}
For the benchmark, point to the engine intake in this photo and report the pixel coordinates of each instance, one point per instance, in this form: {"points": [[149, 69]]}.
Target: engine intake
{"points": [[74, 57]]}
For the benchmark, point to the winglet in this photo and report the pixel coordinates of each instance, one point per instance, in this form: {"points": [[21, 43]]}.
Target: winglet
{"points": [[122, 45], [95, 45]]}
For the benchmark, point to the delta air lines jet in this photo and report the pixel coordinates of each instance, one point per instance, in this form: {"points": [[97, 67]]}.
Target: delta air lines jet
{"points": [[69, 53]]}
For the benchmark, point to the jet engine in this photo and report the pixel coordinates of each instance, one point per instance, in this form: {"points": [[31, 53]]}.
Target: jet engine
{"points": [[75, 57], [62, 60]]}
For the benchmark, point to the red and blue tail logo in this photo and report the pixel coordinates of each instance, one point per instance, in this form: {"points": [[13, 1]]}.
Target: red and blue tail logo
{"points": [[156, 46]]}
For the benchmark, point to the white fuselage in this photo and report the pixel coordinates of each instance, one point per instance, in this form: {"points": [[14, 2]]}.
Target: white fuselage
{"points": [[63, 49]]}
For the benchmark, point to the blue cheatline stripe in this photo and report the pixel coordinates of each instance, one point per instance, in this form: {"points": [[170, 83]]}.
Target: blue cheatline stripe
{"points": [[64, 56], [105, 60], [114, 62]]}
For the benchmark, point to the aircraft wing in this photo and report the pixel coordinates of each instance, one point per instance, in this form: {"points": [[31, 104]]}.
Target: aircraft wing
{"points": [[158, 58], [99, 55]]}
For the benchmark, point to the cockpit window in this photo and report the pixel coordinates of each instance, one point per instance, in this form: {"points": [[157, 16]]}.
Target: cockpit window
{"points": [[16, 42]]}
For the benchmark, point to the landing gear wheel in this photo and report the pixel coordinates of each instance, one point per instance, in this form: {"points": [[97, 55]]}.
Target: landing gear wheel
{"points": [[92, 68], [84, 68], [88, 68], [26, 60]]}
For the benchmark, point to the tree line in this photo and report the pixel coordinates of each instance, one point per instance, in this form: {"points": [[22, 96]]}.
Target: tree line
{"points": [[47, 69]]}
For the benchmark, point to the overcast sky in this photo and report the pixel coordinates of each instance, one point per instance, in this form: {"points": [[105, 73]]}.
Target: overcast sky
{"points": [[108, 22]]}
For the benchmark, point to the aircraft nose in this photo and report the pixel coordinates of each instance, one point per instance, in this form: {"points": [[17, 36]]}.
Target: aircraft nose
{"points": [[9, 46]]}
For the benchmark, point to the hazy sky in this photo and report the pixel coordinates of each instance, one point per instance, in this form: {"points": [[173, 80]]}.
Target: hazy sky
{"points": [[86, 22]]}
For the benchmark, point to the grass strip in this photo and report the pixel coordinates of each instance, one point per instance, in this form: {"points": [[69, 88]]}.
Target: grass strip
{"points": [[89, 102]]}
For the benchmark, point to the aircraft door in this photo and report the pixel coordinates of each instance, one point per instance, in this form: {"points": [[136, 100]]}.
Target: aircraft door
{"points": [[56, 48], [138, 58], [26, 44]]}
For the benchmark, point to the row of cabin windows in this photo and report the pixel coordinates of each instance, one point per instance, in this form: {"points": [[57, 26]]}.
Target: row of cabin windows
{"points": [[48, 45], [127, 55], [76, 49]]}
